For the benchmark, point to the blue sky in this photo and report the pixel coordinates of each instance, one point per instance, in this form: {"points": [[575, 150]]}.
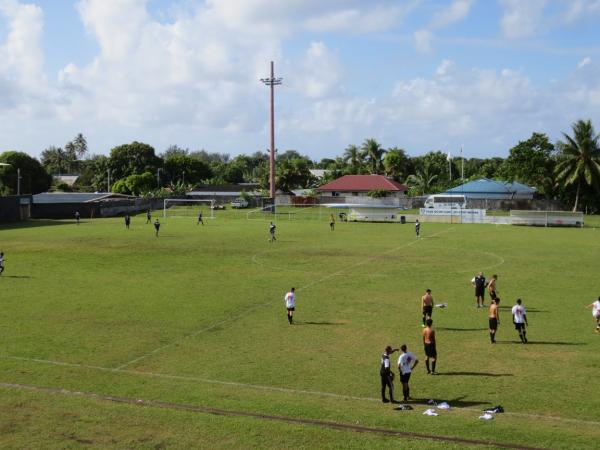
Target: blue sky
{"points": [[418, 74]]}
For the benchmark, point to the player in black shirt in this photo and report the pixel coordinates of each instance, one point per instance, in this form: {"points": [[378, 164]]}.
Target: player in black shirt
{"points": [[387, 376], [479, 283]]}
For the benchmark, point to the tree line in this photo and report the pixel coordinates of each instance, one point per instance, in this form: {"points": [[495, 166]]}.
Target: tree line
{"points": [[567, 170]]}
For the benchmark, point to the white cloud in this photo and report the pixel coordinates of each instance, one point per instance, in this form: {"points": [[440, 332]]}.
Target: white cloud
{"points": [[319, 74], [444, 68], [580, 9], [22, 80], [584, 62], [423, 40], [522, 19], [457, 11], [268, 17], [361, 20]]}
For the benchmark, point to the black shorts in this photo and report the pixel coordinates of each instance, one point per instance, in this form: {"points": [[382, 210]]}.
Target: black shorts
{"points": [[291, 309], [493, 295], [493, 324], [519, 326], [404, 377], [480, 292], [428, 310], [430, 351]]}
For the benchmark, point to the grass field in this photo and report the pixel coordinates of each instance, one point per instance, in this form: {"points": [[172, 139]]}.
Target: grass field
{"points": [[112, 338]]}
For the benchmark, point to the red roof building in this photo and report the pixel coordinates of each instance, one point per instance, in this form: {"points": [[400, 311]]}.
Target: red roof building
{"points": [[360, 185]]}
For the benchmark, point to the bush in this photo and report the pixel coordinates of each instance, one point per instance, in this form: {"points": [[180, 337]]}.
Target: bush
{"points": [[378, 193], [63, 187]]}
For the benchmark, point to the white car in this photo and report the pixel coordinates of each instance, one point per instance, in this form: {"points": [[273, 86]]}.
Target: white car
{"points": [[239, 203]]}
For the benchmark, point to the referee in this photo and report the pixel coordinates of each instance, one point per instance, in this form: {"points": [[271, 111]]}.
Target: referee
{"points": [[387, 377]]}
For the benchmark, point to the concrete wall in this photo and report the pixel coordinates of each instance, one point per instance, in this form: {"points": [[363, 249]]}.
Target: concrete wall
{"points": [[93, 210], [13, 209]]}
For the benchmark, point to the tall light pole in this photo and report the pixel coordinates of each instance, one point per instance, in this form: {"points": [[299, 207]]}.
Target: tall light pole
{"points": [[158, 177], [108, 182], [18, 181], [272, 82]]}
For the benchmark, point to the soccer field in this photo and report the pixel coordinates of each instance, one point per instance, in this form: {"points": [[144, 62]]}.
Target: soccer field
{"points": [[113, 338]]}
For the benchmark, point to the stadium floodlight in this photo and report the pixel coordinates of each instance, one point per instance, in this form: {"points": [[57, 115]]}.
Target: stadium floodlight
{"points": [[272, 82], [183, 207]]}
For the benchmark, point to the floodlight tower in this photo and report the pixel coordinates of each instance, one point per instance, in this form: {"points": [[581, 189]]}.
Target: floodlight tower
{"points": [[272, 82]]}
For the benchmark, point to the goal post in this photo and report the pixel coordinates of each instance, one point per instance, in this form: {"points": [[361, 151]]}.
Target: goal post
{"points": [[183, 207], [547, 218]]}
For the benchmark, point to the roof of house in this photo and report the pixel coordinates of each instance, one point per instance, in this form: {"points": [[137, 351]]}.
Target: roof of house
{"points": [[227, 187], [487, 186], [76, 197], [361, 183], [68, 179], [319, 173]]}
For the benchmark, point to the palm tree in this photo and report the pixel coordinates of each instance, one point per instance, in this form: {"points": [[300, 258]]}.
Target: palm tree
{"points": [[373, 152], [353, 157], [580, 158], [53, 158], [422, 181]]}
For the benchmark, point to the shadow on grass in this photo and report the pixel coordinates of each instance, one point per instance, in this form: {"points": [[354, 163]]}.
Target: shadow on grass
{"points": [[16, 276], [529, 310], [461, 329], [542, 343], [474, 374], [34, 223], [457, 402], [308, 322]]}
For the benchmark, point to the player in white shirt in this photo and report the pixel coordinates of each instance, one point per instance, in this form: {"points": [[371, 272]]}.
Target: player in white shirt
{"points": [[520, 320], [290, 304], [596, 313], [406, 363], [1, 262]]}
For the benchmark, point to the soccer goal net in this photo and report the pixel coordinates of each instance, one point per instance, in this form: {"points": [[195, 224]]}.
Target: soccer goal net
{"points": [[178, 207], [547, 218]]}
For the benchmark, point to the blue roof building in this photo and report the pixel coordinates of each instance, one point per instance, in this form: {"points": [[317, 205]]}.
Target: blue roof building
{"points": [[486, 189]]}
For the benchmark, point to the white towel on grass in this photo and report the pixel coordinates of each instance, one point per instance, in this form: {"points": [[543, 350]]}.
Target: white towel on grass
{"points": [[443, 405], [430, 412], [486, 416]]}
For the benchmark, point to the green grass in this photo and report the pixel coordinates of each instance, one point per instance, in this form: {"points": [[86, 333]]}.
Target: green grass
{"points": [[196, 317]]}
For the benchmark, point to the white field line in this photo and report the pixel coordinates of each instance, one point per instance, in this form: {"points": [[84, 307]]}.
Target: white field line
{"points": [[301, 392], [252, 308]]}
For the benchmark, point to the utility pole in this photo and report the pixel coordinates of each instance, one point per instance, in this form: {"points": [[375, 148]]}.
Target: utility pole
{"points": [[108, 183], [158, 177], [272, 82], [18, 181]]}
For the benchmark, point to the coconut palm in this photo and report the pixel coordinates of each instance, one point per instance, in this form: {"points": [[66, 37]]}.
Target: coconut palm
{"points": [[353, 157], [373, 152], [580, 158], [422, 181]]}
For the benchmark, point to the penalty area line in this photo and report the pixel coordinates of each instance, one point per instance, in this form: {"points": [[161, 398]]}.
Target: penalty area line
{"points": [[340, 426]]}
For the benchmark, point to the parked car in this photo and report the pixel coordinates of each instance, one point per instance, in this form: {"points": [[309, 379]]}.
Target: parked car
{"points": [[215, 206], [239, 203]]}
